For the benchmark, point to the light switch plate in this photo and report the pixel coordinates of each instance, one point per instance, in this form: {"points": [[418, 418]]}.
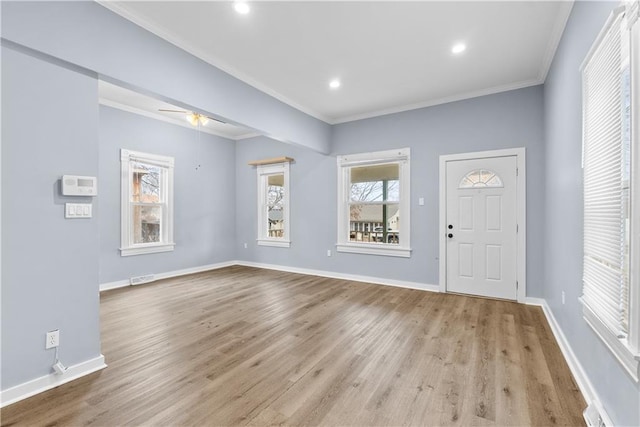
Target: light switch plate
{"points": [[78, 210]]}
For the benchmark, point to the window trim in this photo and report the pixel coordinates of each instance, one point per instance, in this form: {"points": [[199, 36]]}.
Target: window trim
{"points": [[264, 171], [344, 163], [127, 248], [626, 350]]}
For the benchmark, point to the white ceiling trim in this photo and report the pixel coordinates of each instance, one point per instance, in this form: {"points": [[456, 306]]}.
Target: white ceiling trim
{"points": [[440, 101], [554, 41], [178, 122], [178, 42], [216, 62]]}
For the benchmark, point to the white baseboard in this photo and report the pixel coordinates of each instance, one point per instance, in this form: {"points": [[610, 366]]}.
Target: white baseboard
{"points": [[584, 384], [114, 285], [344, 276], [169, 274], [38, 385]]}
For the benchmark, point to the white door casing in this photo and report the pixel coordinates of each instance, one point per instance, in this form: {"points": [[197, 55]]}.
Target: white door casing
{"points": [[482, 226]]}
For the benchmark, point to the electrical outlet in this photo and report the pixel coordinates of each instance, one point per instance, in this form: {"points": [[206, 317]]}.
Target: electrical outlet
{"points": [[563, 299], [246, 246], [328, 252], [53, 339]]}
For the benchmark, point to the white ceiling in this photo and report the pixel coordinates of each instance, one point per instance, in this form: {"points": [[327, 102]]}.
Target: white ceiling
{"points": [[390, 56]]}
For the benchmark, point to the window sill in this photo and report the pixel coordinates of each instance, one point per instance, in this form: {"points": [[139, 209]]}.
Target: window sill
{"points": [[629, 359], [275, 243], [369, 249], [147, 249]]}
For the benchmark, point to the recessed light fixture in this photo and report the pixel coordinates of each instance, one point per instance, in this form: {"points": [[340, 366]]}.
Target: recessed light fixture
{"points": [[458, 48], [241, 7], [334, 84]]}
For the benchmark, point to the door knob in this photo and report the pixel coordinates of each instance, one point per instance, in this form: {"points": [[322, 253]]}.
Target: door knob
{"points": [[450, 226], [450, 235]]}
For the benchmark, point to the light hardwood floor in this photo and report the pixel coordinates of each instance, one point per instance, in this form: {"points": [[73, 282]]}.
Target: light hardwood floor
{"points": [[244, 346]]}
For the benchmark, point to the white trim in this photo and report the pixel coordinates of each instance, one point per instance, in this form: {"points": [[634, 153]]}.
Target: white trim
{"points": [[171, 38], [162, 118], [169, 274], [521, 217], [274, 243], [620, 349], [634, 261], [311, 272], [360, 159], [579, 374], [177, 41], [374, 249], [554, 41], [147, 249], [115, 285], [438, 101], [47, 382], [402, 157], [344, 276]]}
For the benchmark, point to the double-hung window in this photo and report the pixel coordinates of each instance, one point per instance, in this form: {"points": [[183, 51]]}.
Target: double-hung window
{"points": [[147, 203], [611, 286], [273, 205], [373, 203]]}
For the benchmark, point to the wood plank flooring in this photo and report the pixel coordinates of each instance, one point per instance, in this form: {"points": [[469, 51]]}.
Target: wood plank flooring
{"points": [[244, 346]]}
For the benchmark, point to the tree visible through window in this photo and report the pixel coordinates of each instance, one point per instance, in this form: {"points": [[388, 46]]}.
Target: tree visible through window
{"points": [[147, 208], [145, 198], [373, 203], [374, 213], [273, 204]]}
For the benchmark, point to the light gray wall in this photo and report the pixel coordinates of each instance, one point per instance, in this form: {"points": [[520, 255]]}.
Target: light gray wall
{"points": [[204, 181], [313, 206], [506, 120], [49, 264], [88, 35], [564, 216]]}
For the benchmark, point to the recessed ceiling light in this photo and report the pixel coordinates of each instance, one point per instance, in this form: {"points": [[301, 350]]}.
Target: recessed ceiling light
{"points": [[458, 48], [241, 7], [334, 84]]}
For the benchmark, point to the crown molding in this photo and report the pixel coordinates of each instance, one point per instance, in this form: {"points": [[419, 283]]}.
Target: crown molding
{"points": [[163, 33], [556, 36], [187, 47], [439, 101]]}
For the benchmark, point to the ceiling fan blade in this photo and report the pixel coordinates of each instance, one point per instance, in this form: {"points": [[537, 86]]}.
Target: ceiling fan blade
{"points": [[171, 111], [216, 120]]}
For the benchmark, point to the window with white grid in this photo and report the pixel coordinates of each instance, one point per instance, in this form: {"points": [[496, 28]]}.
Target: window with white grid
{"points": [[146, 203]]}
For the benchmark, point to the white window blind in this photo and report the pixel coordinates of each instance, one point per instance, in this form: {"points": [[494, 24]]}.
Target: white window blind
{"points": [[606, 150]]}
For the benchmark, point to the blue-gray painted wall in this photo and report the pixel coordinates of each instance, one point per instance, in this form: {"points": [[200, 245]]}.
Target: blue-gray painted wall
{"points": [[67, 138], [90, 36], [564, 213], [505, 120], [204, 188], [49, 264]]}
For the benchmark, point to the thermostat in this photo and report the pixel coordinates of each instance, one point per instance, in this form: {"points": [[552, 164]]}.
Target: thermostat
{"points": [[73, 185]]}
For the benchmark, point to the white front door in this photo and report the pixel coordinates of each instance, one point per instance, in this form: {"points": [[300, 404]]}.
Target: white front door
{"points": [[481, 212]]}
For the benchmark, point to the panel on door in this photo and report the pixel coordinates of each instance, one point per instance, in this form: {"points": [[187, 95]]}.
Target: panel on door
{"points": [[481, 227]]}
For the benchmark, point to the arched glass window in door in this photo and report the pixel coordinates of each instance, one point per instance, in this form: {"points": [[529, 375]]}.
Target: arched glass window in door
{"points": [[482, 178]]}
